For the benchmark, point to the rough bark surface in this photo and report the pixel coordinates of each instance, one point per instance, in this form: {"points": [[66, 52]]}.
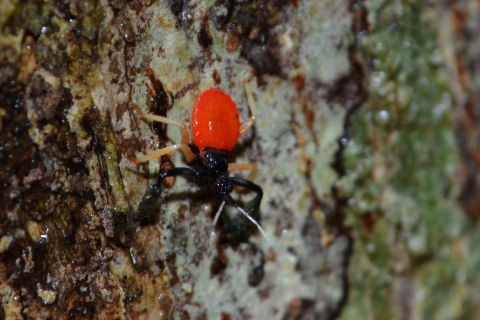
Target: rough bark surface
{"points": [[366, 142]]}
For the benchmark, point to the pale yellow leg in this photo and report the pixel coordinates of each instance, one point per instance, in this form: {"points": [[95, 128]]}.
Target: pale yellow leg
{"points": [[187, 152], [161, 152], [153, 117], [243, 166], [251, 104]]}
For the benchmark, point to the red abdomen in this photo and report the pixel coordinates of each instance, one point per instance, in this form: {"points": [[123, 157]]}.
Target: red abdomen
{"points": [[215, 121]]}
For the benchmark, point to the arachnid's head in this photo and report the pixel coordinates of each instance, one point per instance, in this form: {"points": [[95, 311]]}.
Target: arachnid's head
{"points": [[222, 185]]}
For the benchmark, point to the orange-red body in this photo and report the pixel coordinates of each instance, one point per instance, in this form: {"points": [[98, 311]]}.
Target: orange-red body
{"points": [[215, 121]]}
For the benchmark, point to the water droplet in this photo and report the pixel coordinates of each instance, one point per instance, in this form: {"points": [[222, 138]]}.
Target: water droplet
{"points": [[370, 248], [383, 116], [379, 46], [213, 235]]}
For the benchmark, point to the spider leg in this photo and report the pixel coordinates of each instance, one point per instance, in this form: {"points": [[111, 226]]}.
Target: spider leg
{"points": [[149, 202], [187, 152], [243, 183], [251, 186], [242, 211], [161, 152], [251, 104], [233, 166], [173, 172], [219, 211]]}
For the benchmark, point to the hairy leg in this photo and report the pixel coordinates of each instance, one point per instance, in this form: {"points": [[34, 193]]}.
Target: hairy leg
{"points": [[242, 211], [149, 202], [253, 110], [158, 153], [185, 136], [251, 186], [232, 167]]}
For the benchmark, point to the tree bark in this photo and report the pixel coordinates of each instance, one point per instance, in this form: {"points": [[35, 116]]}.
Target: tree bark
{"points": [[366, 144]]}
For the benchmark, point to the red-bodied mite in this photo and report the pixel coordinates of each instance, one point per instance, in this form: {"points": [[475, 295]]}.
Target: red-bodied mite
{"points": [[216, 128]]}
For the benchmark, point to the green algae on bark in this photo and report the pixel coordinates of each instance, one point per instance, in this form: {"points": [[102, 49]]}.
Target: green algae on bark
{"points": [[411, 239]]}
